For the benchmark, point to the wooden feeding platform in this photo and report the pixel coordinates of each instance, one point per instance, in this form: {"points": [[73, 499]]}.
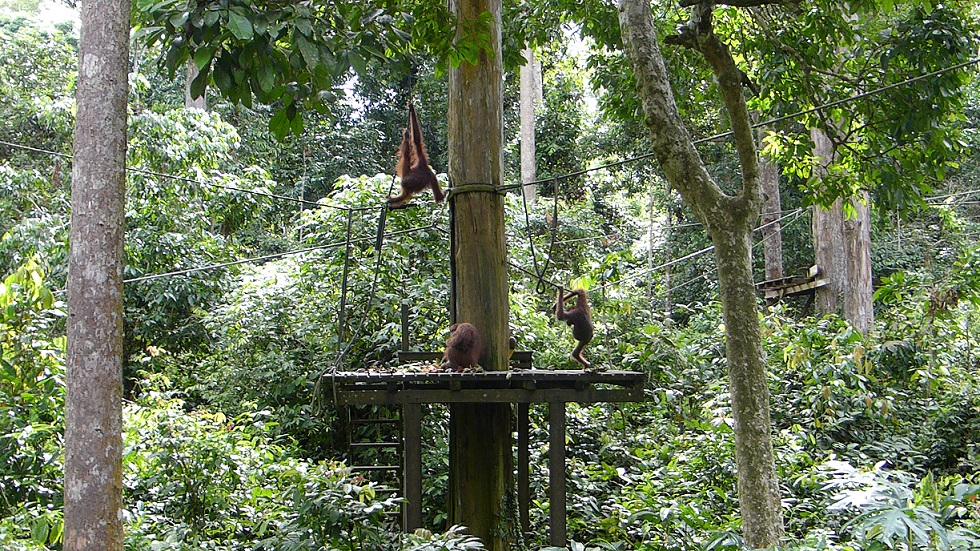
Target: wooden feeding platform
{"points": [[419, 381], [776, 290]]}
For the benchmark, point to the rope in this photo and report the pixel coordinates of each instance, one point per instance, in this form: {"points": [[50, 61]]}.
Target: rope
{"points": [[382, 221], [505, 188], [539, 288], [452, 256], [266, 257], [470, 188], [795, 214], [342, 308], [540, 273], [522, 270]]}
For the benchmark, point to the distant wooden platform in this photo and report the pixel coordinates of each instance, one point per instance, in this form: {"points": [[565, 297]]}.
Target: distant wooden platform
{"points": [[784, 287], [413, 385]]}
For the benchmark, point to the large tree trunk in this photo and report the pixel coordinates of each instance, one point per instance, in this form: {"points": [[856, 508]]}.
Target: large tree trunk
{"points": [[530, 96], [859, 294], [481, 466], [842, 246], [772, 237], [828, 240], [729, 221], [93, 431]]}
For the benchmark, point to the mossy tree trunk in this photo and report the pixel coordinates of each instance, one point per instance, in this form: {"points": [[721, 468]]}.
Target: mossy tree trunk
{"points": [[481, 467], [729, 220]]}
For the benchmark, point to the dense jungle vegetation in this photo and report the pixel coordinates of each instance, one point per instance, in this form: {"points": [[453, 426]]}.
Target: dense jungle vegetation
{"points": [[235, 265]]}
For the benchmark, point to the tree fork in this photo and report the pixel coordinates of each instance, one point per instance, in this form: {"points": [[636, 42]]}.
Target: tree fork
{"points": [[728, 220]]}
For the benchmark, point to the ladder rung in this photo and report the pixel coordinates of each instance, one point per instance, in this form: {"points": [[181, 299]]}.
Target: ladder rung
{"points": [[375, 444], [376, 468], [373, 421]]}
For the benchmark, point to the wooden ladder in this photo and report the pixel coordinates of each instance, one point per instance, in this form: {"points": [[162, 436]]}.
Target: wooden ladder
{"points": [[375, 447]]}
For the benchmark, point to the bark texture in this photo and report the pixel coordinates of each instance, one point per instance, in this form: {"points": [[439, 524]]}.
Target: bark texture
{"points": [[828, 239], [859, 294], [530, 96], [842, 246], [772, 236], [93, 432], [729, 220], [481, 467]]}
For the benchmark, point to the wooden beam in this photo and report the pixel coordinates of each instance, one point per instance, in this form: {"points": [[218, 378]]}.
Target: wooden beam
{"points": [[499, 396], [412, 467], [523, 466], [556, 474]]}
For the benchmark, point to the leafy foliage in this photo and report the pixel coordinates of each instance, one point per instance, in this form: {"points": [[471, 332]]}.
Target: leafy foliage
{"points": [[898, 147], [32, 404], [297, 55], [228, 445], [189, 206], [37, 84]]}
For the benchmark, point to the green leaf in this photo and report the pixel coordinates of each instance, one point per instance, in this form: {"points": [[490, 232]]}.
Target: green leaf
{"points": [[296, 125], [177, 20], [266, 77], [279, 124], [203, 56], [200, 83], [308, 51], [39, 530], [261, 25], [357, 62], [402, 35], [304, 26], [222, 77], [369, 17], [240, 26]]}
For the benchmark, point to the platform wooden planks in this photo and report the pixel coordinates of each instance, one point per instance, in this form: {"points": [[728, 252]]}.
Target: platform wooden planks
{"points": [[516, 386]]}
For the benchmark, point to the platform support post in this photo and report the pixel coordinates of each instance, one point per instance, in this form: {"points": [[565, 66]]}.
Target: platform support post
{"points": [[412, 475], [405, 327], [523, 466], [556, 475]]}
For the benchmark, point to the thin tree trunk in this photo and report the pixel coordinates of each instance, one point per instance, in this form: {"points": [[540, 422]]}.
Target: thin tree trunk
{"points": [[481, 481], [842, 246], [668, 271], [729, 221], [93, 404], [530, 96]]}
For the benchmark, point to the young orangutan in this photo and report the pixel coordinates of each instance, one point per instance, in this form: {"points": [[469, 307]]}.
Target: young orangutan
{"points": [[463, 348], [579, 317], [413, 164]]}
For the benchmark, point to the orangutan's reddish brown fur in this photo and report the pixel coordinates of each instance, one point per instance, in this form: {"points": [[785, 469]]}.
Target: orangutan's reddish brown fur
{"points": [[413, 165], [579, 317], [463, 348]]}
